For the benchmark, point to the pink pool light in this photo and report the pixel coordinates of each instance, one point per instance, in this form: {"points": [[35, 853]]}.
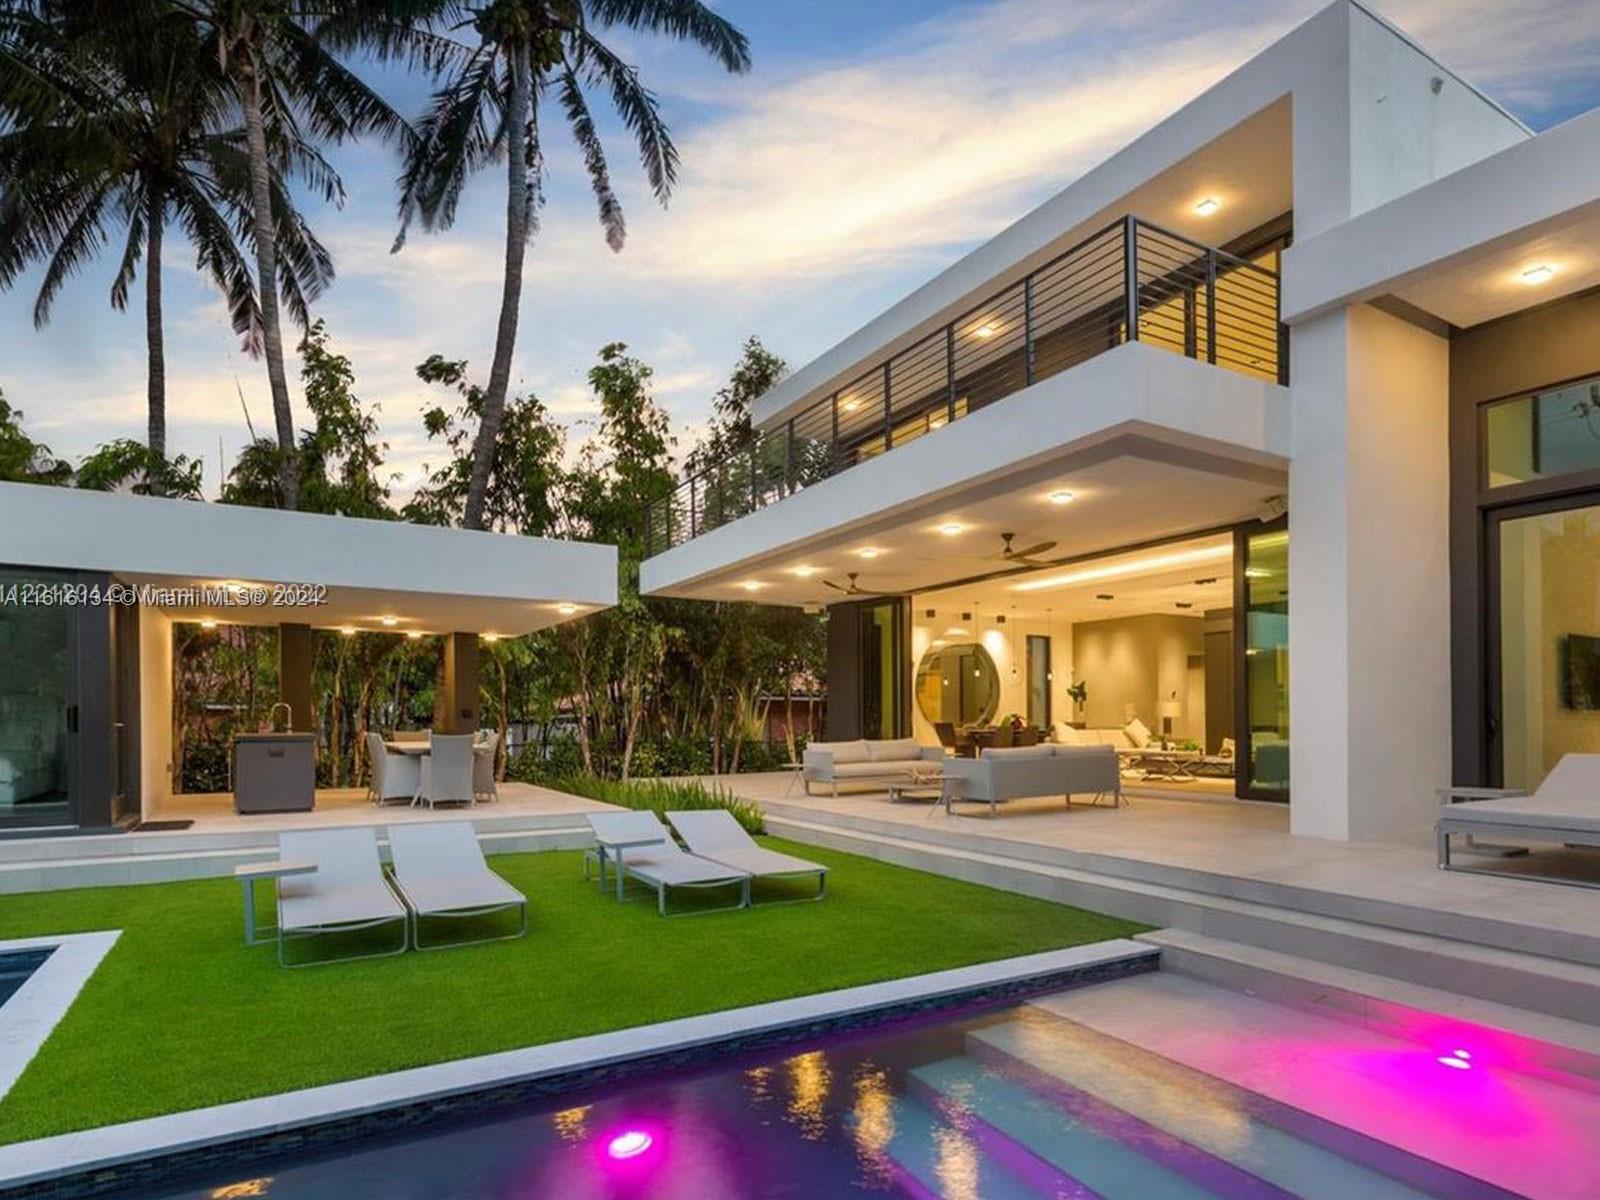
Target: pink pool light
{"points": [[629, 1144], [1456, 1060]]}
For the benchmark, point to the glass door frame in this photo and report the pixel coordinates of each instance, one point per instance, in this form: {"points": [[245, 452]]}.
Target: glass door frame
{"points": [[71, 772], [1491, 721], [1244, 751]]}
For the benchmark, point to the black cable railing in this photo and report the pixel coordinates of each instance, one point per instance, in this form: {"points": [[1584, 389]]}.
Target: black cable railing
{"points": [[1131, 281]]}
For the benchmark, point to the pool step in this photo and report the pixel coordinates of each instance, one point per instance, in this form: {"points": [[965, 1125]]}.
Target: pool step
{"points": [[931, 1158], [1567, 988], [1102, 1155], [1162, 1100], [1486, 1129]]}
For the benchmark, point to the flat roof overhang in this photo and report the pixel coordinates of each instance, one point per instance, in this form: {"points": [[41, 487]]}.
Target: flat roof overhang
{"points": [[1149, 444], [426, 578], [1461, 248]]}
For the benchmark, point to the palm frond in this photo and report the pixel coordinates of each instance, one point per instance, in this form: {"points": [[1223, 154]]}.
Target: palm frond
{"points": [[83, 236], [453, 141], [637, 107], [684, 20], [594, 158]]}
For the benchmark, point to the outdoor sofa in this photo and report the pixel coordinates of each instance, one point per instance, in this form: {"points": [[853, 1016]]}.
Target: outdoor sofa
{"points": [[998, 775], [1564, 809], [877, 763]]}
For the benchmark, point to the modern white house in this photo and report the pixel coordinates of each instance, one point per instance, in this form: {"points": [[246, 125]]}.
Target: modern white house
{"points": [[1307, 376], [94, 587]]}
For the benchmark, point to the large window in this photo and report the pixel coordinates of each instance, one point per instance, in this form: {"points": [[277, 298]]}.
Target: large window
{"points": [[1549, 639], [35, 699], [882, 658]]}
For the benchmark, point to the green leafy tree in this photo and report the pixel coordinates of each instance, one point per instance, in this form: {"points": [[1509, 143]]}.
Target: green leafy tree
{"points": [[124, 132], [124, 464], [23, 460], [526, 477], [512, 57]]}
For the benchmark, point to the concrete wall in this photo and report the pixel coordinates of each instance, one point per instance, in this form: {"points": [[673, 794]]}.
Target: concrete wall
{"points": [[1369, 576], [155, 709]]}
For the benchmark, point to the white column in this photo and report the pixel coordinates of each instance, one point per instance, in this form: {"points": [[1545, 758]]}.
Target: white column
{"points": [[1369, 612]]}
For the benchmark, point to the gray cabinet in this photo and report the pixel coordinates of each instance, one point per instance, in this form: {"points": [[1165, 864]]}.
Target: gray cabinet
{"points": [[274, 772]]}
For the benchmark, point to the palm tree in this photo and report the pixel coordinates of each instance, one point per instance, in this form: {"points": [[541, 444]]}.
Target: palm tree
{"points": [[284, 78], [520, 52], [126, 134]]}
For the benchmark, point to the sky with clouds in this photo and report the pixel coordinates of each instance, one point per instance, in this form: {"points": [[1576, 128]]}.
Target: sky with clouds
{"points": [[872, 144]]}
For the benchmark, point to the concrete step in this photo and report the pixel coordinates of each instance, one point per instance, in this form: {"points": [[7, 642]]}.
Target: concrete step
{"points": [[924, 1147], [1555, 987], [116, 870], [1567, 1052]]}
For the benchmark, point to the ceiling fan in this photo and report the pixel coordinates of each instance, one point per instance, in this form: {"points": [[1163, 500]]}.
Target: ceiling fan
{"points": [[1024, 557], [854, 589]]}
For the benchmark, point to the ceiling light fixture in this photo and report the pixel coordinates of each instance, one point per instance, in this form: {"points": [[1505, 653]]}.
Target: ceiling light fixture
{"points": [[414, 634], [566, 610], [986, 331], [1137, 566], [390, 622], [849, 405], [951, 528], [1207, 206], [752, 585], [803, 572], [490, 637], [1542, 273], [347, 630], [208, 623], [868, 552], [1061, 498]]}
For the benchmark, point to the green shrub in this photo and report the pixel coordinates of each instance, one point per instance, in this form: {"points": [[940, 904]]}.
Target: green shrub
{"points": [[662, 796]]}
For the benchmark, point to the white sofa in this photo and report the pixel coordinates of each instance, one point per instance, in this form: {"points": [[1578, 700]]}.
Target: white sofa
{"points": [[874, 762], [998, 775]]}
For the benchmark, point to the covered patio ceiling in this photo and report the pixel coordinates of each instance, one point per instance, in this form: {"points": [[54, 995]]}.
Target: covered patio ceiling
{"points": [[1086, 504], [230, 564]]}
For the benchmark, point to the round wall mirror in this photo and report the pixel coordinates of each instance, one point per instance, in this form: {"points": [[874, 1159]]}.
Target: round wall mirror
{"points": [[959, 684]]}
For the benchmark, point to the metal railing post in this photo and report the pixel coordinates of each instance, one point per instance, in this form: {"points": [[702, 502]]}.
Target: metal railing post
{"points": [[833, 448], [1211, 305], [1130, 277], [888, 413], [950, 372], [1027, 331]]}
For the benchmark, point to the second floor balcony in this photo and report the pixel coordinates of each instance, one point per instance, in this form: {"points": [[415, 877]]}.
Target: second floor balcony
{"points": [[1131, 281]]}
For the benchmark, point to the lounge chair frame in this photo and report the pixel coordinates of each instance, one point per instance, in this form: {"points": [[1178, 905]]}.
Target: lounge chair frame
{"points": [[306, 933], [817, 869], [485, 910], [659, 886], [1449, 824]]}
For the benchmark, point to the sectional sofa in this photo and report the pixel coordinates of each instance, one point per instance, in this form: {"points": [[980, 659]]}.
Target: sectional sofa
{"points": [[875, 762], [998, 775]]}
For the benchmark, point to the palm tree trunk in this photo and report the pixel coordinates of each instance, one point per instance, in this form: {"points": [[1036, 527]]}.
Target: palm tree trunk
{"points": [[505, 339], [266, 229], [155, 342]]}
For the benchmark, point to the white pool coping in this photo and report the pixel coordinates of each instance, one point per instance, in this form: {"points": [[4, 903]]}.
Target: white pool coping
{"points": [[34, 1008], [154, 1137]]}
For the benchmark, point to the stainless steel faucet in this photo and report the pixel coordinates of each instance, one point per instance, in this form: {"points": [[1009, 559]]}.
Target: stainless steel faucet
{"points": [[288, 715]]}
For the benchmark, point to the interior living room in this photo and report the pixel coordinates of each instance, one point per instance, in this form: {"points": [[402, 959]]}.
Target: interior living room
{"points": [[1135, 649]]}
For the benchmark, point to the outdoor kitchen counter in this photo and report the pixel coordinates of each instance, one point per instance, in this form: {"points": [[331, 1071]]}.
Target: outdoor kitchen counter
{"points": [[274, 772]]}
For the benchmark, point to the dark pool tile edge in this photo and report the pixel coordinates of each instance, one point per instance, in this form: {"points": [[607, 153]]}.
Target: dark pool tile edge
{"points": [[115, 1160]]}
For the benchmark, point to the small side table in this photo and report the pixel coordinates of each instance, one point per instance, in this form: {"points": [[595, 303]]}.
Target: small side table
{"points": [[797, 772], [248, 874], [615, 849]]}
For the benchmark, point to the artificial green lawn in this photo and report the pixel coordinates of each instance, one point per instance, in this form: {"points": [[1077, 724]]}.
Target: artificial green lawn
{"points": [[181, 1014]]}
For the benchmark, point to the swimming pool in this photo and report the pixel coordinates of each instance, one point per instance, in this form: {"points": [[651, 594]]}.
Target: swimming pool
{"points": [[1018, 1104], [17, 967]]}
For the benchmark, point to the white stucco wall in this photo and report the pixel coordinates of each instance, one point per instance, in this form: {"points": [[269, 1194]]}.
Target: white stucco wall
{"points": [[1369, 612]]}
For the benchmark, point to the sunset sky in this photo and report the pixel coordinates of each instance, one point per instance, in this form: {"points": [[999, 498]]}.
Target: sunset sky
{"points": [[872, 144]]}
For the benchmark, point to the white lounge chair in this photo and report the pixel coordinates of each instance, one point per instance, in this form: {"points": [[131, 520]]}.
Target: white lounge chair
{"points": [[439, 872], [640, 846], [714, 834], [394, 776], [447, 771], [1564, 809], [347, 891]]}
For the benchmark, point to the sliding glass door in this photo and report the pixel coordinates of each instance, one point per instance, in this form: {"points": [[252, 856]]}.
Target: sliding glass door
{"points": [[36, 694], [1261, 633], [1544, 651]]}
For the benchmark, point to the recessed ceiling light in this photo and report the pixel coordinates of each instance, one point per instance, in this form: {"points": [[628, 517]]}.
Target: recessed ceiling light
{"points": [[1206, 207], [390, 622], [414, 634], [490, 637], [987, 330], [1542, 273], [868, 552], [1061, 497], [566, 610], [208, 623], [803, 572], [347, 630], [951, 528], [752, 585], [849, 405]]}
